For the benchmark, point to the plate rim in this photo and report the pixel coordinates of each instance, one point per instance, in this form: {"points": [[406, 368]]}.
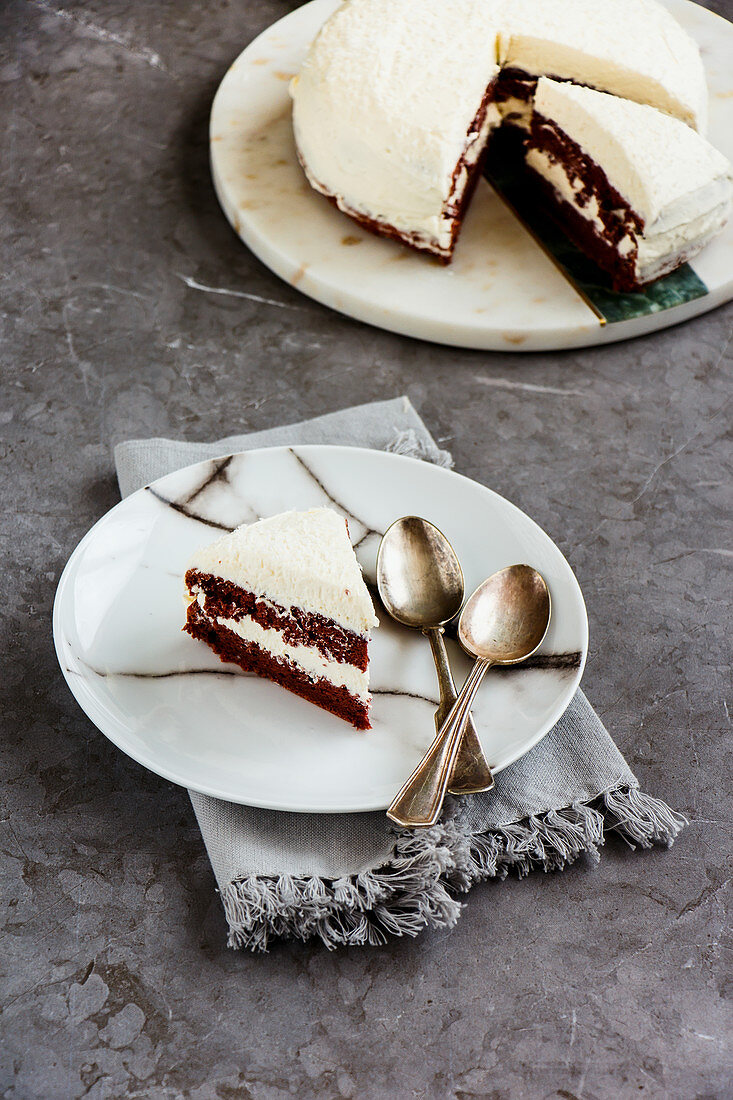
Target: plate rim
{"points": [[440, 331], [94, 709]]}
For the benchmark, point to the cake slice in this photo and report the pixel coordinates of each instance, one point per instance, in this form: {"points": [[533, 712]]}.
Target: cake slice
{"points": [[285, 598], [638, 191], [392, 111]]}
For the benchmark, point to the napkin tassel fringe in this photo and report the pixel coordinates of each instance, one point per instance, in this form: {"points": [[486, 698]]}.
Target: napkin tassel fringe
{"points": [[416, 888], [552, 840], [408, 894], [557, 838], [640, 819], [407, 442]]}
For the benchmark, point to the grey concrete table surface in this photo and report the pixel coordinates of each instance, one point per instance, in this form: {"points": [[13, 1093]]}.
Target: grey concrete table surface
{"points": [[129, 308]]}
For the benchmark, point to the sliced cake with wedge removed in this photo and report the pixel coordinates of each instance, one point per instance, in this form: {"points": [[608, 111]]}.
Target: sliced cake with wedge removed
{"points": [[285, 598], [396, 100]]}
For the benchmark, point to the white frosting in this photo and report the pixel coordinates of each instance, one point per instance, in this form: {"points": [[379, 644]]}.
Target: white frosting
{"points": [[631, 48], [389, 90], [296, 559], [684, 199], [305, 657], [384, 103], [555, 173], [660, 248]]}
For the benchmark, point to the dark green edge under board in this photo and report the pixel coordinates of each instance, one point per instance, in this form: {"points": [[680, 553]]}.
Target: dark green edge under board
{"points": [[504, 171]]}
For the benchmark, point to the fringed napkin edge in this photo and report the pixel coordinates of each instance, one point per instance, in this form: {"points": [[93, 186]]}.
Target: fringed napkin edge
{"points": [[416, 888]]}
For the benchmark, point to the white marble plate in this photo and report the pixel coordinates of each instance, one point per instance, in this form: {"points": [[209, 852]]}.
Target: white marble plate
{"points": [[501, 292], [169, 703]]}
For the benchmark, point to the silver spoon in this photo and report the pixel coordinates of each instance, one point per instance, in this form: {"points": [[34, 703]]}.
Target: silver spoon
{"points": [[503, 623], [420, 583]]}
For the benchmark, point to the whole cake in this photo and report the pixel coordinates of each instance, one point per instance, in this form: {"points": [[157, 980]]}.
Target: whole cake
{"points": [[637, 190], [396, 101], [285, 598]]}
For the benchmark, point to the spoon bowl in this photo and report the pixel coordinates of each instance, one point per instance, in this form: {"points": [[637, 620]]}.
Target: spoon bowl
{"points": [[506, 618], [503, 622], [420, 583], [419, 577]]}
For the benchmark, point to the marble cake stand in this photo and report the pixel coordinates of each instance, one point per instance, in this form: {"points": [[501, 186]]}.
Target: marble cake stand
{"points": [[501, 292]]}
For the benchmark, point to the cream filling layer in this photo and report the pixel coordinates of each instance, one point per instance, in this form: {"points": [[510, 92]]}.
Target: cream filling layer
{"points": [[313, 663], [554, 172]]}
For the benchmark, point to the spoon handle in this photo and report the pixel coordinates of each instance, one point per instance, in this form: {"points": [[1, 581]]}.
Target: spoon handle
{"points": [[471, 772], [420, 799]]}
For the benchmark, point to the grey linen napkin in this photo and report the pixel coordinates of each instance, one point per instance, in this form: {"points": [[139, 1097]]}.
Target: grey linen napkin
{"points": [[354, 878]]}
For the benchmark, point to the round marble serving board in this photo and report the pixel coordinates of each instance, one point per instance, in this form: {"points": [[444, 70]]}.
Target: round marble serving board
{"points": [[168, 702], [501, 291]]}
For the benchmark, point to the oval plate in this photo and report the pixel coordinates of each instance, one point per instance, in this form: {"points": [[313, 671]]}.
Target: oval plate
{"points": [[501, 292], [170, 704]]}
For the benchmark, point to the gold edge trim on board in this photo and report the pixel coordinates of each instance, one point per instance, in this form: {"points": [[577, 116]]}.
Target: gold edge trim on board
{"points": [[538, 240]]}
